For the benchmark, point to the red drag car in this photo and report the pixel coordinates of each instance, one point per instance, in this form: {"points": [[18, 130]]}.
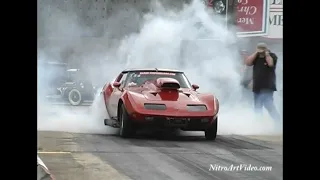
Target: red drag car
{"points": [[160, 99]]}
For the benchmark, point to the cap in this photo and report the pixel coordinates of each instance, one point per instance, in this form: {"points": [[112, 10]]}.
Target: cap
{"points": [[262, 46]]}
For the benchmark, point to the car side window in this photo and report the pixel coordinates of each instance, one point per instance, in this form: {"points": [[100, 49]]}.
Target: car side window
{"points": [[123, 79]]}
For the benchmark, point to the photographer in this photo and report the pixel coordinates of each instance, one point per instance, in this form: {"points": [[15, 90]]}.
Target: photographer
{"points": [[264, 79]]}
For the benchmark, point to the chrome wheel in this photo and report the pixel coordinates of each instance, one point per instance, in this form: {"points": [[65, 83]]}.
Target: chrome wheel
{"points": [[74, 97]]}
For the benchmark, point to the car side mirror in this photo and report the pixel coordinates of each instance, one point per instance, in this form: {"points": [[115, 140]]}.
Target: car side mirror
{"points": [[116, 84], [195, 87]]}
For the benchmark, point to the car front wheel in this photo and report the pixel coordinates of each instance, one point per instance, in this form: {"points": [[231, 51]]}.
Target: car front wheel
{"points": [[125, 125], [211, 132]]}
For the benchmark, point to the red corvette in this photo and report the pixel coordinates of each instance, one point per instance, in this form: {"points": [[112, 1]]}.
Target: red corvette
{"points": [[160, 99]]}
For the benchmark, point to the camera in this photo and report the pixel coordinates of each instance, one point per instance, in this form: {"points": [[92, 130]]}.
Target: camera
{"points": [[262, 53]]}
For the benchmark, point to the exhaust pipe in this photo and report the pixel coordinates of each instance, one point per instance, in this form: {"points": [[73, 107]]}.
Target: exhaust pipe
{"points": [[112, 123]]}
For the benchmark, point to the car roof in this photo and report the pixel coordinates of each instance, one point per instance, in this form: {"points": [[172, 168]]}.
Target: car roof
{"points": [[150, 70], [52, 63], [73, 70]]}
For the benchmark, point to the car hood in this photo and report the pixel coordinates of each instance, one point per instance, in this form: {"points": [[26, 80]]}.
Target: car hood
{"points": [[167, 95], [183, 95]]}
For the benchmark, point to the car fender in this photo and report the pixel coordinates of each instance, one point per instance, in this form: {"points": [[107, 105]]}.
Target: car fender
{"points": [[130, 102], [106, 92], [208, 100]]}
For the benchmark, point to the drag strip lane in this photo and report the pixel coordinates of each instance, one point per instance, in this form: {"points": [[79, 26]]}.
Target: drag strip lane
{"points": [[144, 158]]}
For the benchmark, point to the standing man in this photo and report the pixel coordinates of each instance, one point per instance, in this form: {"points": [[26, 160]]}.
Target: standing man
{"points": [[264, 79]]}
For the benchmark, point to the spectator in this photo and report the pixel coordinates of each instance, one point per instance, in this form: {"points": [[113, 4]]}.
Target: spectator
{"points": [[264, 79]]}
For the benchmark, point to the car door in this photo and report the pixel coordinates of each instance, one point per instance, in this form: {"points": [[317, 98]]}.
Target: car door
{"points": [[114, 95]]}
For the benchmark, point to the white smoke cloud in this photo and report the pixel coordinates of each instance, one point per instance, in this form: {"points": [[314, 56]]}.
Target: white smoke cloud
{"points": [[156, 39]]}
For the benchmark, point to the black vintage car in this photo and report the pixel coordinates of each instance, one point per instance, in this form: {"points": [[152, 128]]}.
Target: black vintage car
{"points": [[56, 82]]}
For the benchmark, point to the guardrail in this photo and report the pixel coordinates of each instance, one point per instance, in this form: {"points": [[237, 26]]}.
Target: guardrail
{"points": [[43, 172]]}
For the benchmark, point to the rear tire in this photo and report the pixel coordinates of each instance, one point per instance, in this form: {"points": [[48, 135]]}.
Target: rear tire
{"points": [[126, 129], [211, 132]]}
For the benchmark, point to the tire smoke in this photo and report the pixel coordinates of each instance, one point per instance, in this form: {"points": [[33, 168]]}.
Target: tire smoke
{"points": [[191, 39], [83, 119]]}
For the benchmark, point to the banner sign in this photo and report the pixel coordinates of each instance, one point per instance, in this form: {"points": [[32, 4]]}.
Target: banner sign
{"points": [[252, 17]]}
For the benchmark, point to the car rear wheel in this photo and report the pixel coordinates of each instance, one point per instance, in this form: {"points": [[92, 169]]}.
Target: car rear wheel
{"points": [[125, 125], [74, 97], [211, 132]]}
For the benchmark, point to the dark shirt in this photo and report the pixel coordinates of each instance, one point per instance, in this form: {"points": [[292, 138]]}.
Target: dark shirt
{"points": [[246, 76], [264, 77]]}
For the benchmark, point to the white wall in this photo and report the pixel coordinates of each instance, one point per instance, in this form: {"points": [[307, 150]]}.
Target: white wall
{"points": [[275, 19]]}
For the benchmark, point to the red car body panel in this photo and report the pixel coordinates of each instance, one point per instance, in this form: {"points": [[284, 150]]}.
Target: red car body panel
{"points": [[108, 89], [175, 99]]}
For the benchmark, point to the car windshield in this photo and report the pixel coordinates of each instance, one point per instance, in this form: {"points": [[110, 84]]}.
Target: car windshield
{"points": [[138, 78]]}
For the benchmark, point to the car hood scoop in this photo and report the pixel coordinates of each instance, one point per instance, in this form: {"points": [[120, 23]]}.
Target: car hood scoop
{"points": [[170, 95]]}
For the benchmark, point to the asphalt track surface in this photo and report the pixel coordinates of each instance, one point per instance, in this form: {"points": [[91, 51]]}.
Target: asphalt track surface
{"points": [[76, 156]]}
